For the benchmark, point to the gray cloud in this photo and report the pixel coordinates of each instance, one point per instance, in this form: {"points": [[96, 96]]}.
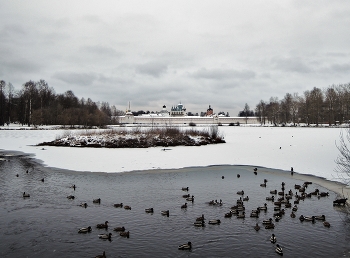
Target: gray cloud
{"points": [[291, 64], [225, 54], [72, 78], [154, 69], [222, 74]]}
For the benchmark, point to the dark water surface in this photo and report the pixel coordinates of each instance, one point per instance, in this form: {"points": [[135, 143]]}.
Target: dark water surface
{"points": [[47, 223]]}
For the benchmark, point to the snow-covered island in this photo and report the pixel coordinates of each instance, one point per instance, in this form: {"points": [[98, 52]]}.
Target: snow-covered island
{"points": [[137, 138]]}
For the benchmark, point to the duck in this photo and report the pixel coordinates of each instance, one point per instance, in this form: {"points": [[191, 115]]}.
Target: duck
{"points": [[326, 224], [17, 175], [272, 198], [279, 249], [118, 205], [119, 229], [103, 255], [97, 201], [241, 216], [199, 223], [25, 195], [273, 239], [105, 236], [105, 225], [263, 185], [273, 191], [228, 215], [85, 230], [185, 188], [184, 206], [305, 218], [269, 221], [263, 208], [190, 199], [201, 218], [43, 180], [240, 192], [214, 221], [219, 203], [254, 215], [125, 234], [73, 186], [149, 210], [324, 194], [270, 226], [185, 195], [257, 227], [246, 198], [83, 205], [292, 215], [234, 211], [70, 197], [295, 208], [322, 217], [127, 207], [165, 213], [238, 175], [187, 246]]}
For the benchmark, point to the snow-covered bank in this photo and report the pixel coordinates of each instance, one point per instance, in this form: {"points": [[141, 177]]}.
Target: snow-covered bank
{"points": [[308, 150]]}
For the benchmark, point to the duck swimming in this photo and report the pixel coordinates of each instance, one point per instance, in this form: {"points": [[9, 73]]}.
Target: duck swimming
{"points": [[326, 224], [165, 213], [127, 207], [85, 230], [118, 205], [120, 229], [214, 221], [322, 217], [125, 234], [269, 221], [240, 192], [149, 210], [199, 223], [83, 205], [190, 199], [257, 227], [201, 218], [97, 201], [25, 195], [279, 249], [105, 236], [184, 206], [105, 225], [273, 239], [187, 246]]}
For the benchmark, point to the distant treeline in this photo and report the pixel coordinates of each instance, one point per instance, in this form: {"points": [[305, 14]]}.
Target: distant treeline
{"points": [[38, 104], [329, 106]]}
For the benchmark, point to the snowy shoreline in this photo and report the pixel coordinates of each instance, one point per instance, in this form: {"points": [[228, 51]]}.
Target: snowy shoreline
{"points": [[310, 151]]}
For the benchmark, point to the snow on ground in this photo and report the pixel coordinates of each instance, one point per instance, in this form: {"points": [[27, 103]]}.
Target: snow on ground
{"points": [[308, 150]]}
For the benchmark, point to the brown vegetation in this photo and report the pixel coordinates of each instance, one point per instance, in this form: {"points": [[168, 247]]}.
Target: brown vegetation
{"points": [[140, 138]]}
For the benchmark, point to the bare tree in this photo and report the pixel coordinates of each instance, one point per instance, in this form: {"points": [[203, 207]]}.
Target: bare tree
{"points": [[343, 159], [246, 111], [2, 101]]}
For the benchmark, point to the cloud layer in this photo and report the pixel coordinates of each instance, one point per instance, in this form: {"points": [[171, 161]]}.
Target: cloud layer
{"points": [[152, 53]]}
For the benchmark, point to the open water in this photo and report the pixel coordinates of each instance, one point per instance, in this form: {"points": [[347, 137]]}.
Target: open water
{"points": [[47, 223]]}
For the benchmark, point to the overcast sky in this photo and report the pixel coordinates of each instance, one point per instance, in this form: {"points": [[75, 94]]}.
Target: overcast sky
{"points": [[222, 53]]}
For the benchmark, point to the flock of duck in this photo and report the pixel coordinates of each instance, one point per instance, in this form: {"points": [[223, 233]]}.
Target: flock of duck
{"points": [[282, 200]]}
